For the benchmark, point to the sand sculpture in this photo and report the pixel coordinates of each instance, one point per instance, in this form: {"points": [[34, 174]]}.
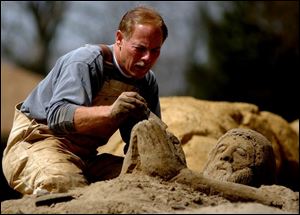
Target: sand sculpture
{"points": [[242, 156], [198, 124], [157, 152]]}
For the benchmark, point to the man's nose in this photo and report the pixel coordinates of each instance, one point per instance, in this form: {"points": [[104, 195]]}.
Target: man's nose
{"points": [[146, 55]]}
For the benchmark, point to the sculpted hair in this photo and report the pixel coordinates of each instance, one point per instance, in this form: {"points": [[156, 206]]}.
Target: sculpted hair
{"points": [[142, 15]]}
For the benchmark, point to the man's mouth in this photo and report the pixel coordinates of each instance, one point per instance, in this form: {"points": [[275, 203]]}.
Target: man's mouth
{"points": [[140, 63], [141, 69]]}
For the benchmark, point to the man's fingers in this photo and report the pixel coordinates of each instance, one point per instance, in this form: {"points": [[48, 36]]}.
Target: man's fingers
{"points": [[130, 104], [134, 99], [134, 95], [140, 98]]}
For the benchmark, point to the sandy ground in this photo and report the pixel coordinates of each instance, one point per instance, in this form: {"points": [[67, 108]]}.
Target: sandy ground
{"points": [[137, 193]]}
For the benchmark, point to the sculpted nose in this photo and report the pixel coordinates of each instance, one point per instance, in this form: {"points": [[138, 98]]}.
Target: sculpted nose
{"points": [[227, 156]]}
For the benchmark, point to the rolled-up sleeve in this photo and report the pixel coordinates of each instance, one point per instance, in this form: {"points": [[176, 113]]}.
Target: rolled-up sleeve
{"points": [[71, 88]]}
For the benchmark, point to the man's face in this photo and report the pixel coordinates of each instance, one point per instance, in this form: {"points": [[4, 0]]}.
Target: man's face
{"points": [[137, 54], [231, 160]]}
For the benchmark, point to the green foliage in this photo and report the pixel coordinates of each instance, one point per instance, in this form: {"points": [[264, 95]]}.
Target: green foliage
{"points": [[253, 57]]}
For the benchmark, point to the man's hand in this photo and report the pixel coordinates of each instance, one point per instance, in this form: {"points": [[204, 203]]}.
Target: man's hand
{"points": [[129, 104]]}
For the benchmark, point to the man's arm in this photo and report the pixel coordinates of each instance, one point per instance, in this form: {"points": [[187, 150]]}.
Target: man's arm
{"points": [[103, 121], [94, 121]]}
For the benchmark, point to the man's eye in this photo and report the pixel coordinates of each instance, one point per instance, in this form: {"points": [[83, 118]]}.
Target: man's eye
{"points": [[139, 49], [155, 50]]}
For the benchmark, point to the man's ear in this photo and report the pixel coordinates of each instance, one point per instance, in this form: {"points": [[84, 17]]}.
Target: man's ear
{"points": [[119, 38]]}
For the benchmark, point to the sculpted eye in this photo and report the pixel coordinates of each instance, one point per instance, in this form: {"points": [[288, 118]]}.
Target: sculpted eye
{"points": [[221, 148], [241, 152]]}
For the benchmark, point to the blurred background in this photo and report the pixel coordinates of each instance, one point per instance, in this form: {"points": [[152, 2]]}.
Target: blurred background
{"points": [[241, 51]]}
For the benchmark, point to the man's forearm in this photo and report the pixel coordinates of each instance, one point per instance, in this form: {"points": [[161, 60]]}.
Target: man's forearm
{"points": [[103, 121], [95, 121]]}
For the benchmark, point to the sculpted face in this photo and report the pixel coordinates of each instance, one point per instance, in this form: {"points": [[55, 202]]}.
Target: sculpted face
{"points": [[242, 156], [231, 160]]}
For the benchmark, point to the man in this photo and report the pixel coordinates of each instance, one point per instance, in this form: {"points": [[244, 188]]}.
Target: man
{"points": [[89, 94], [242, 156]]}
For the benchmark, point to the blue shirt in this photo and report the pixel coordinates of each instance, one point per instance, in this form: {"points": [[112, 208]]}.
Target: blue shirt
{"points": [[75, 80]]}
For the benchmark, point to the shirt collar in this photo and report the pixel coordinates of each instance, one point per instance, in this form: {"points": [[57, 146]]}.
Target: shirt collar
{"points": [[118, 66]]}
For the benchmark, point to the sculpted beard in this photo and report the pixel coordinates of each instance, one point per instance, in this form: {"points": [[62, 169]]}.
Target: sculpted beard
{"points": [[223, 171]]}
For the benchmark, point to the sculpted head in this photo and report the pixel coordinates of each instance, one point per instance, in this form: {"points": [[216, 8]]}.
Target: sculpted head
{"points": [[242, 156]]}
